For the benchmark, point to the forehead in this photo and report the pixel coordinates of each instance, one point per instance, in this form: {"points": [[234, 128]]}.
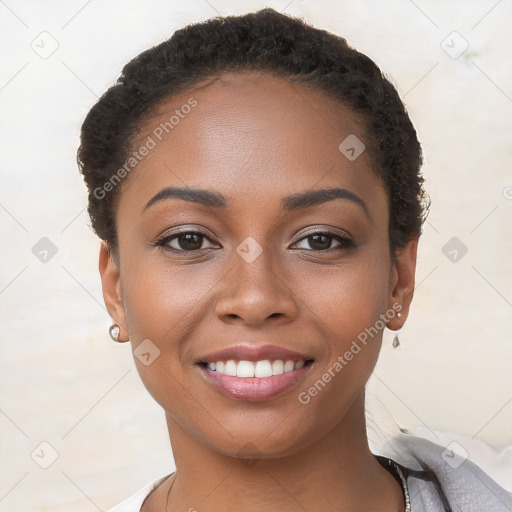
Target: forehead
{"points": [[250, 133]]}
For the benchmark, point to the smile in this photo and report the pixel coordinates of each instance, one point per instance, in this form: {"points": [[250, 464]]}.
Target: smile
{"points": [[254, 372]]}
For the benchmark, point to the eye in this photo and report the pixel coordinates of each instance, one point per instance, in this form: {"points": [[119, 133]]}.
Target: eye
{"points": [[322, 240], [184, 241]]}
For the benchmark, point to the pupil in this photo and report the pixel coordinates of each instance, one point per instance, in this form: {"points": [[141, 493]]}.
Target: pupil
{"points": [[190, 241], [320, 246]]}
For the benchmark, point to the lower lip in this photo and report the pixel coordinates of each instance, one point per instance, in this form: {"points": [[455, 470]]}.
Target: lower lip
{"points": [[254, 389]]}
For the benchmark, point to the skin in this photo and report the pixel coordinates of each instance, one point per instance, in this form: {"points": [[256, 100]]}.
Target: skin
{"points": [[256, 139]]}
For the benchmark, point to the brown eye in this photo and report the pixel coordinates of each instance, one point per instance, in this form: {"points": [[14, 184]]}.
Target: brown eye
{"points": [[190, 241], [186, 241], [322, 241]]}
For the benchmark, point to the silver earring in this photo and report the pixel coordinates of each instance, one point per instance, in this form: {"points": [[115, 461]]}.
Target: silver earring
{"points": [[114, 331], [396, 341]]}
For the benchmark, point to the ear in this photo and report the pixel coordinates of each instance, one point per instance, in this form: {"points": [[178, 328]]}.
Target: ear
{"points": [[112, 290], [402, 283]]}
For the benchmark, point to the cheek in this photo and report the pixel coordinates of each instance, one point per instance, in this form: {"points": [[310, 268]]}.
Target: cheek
{"points": [[160, 299], [163, 307], [351, 300], [351, 310]]}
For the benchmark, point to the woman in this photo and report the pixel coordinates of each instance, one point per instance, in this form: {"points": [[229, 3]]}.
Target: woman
{"points": [[256, 186]]}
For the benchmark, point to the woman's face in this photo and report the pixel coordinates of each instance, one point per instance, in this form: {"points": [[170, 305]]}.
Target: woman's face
{"points": [[266, 274]]}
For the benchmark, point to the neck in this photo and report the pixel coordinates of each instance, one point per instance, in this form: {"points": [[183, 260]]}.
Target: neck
{"points": [[336, 472]]}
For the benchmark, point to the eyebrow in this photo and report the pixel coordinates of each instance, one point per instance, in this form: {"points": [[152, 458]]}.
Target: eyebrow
{"points": [[293, 202]]}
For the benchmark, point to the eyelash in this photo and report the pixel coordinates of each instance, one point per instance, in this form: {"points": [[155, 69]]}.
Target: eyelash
{"points": [[346, 243]]}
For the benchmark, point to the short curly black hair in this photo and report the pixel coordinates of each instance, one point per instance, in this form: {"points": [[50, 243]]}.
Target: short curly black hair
{"points": [[279, 45]]}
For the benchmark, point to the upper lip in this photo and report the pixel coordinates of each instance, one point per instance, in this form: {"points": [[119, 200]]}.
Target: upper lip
{"points": [[254, 353]]}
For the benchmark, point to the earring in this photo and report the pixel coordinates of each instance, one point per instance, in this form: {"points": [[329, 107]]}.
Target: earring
{"points": [[396, 341], [114, 331]]}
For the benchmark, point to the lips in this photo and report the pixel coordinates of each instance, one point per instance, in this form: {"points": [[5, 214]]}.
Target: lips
{"points": [[252, 373]]}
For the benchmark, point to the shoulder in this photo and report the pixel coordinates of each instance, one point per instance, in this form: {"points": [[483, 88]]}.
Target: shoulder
{"points": [[134, 502], [439, 479]]}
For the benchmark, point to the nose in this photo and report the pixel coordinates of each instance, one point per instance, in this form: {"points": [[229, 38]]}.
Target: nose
{"points": [[255, 294]]}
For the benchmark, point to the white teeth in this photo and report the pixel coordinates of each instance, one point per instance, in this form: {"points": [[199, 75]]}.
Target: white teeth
{"points": [[277, 367], [289, 366], [245, 369], [259, 369], [230, 368], [263, 369]]}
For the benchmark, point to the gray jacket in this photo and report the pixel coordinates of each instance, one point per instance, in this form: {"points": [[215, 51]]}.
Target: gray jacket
{"points": [[439, 480]]}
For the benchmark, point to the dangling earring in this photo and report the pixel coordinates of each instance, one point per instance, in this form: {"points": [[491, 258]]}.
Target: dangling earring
{"points": [[114, 331], [396, 341]]}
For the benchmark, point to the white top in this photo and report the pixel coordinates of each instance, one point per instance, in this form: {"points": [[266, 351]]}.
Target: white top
{"points": [[135, 501]]}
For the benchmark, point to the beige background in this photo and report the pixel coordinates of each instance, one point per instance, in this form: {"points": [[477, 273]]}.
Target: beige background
{"points": [[65, 383]]}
